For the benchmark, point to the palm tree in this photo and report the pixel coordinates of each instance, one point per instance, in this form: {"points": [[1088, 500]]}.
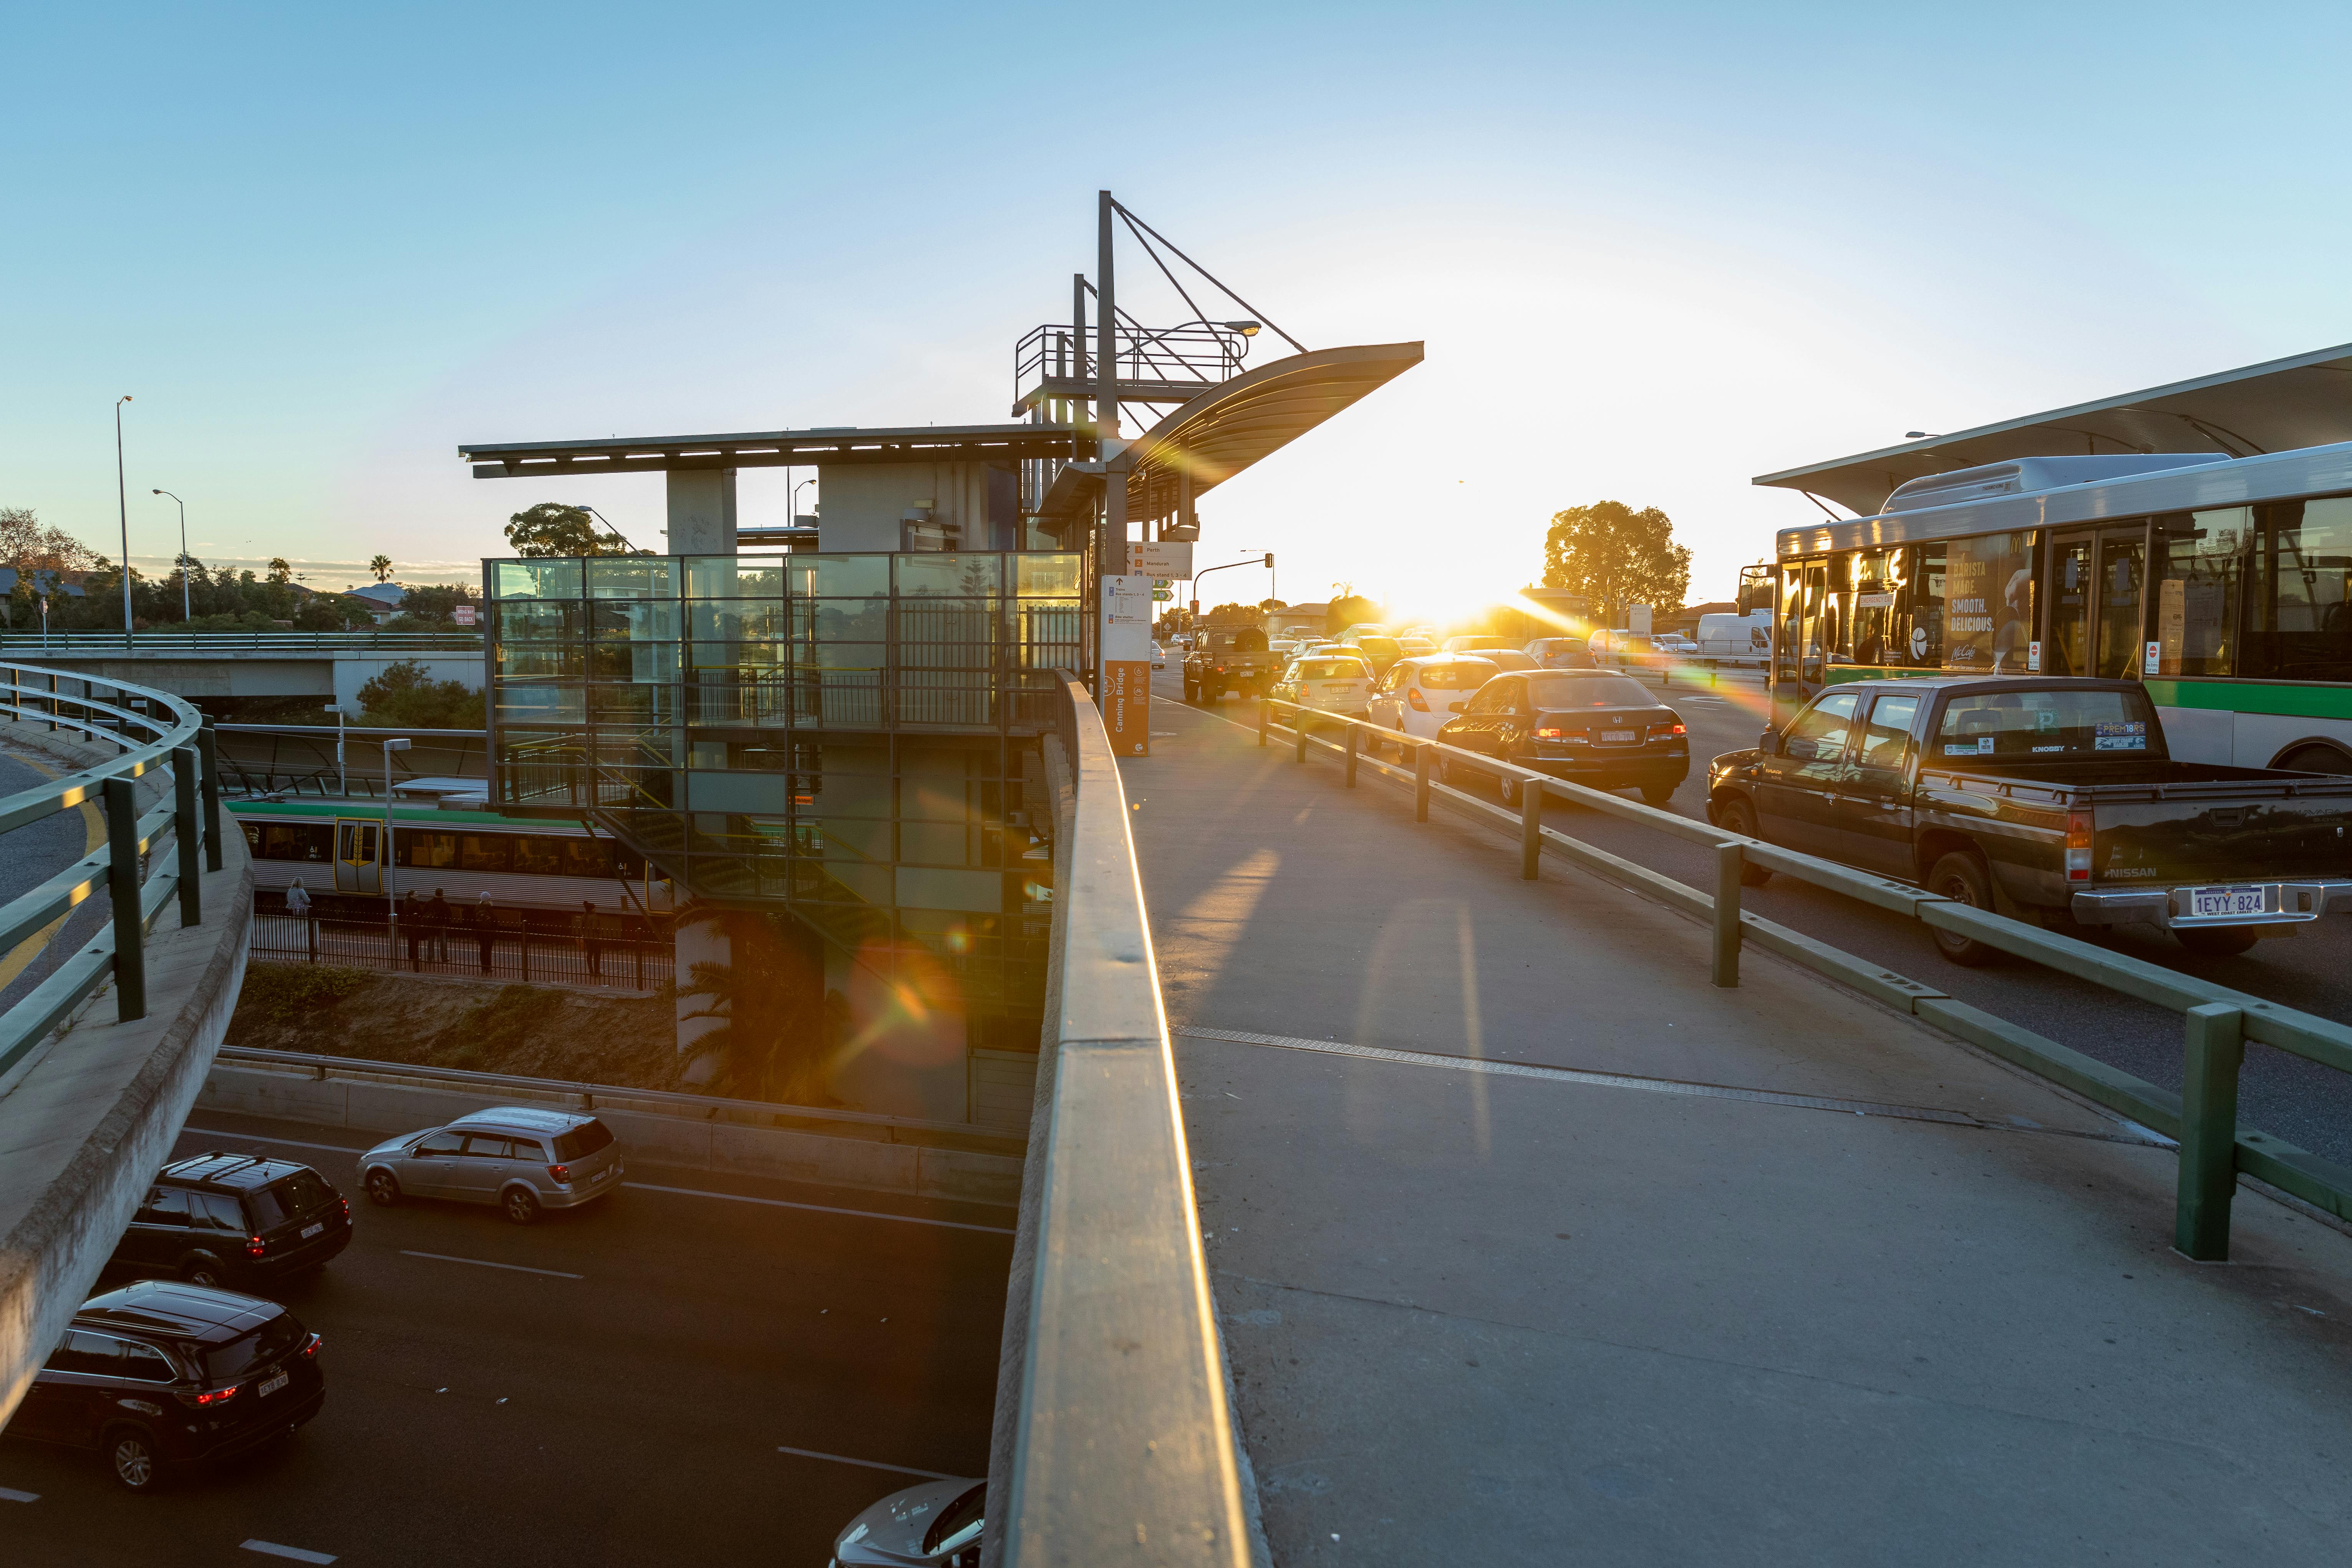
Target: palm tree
{"points": [[768, 1043], [382, 567]]}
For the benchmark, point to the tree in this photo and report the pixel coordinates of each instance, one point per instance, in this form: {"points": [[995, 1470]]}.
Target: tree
{"points": [[382, 566], [1616, 556], [406, 697], [427, 607], [29, 545], [1346, 608], [552, 528], [280, 571]]}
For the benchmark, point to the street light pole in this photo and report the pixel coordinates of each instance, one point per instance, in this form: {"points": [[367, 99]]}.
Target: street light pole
{"points": [[185, 614], [122, 501]]}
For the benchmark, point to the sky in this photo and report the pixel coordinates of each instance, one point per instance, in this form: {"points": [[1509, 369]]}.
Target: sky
{"points": [[1652, 251]]}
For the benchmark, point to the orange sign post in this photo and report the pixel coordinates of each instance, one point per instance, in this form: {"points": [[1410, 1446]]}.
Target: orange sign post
{"points": [[1125, 697]]}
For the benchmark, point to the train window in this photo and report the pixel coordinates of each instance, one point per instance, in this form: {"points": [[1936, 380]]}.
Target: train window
{"points": [[482, 851], [535, 856], [294, 841], [428, 848], [587, 858]]}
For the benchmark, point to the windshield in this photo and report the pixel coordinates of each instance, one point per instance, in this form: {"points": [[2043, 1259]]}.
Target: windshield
{"points": [[958, 1515], [281, 1201], [583, 1140], [264, 1345], [2031, 725], [1467, 676], [1332, 669], [1380, 649], [1562, 689]]}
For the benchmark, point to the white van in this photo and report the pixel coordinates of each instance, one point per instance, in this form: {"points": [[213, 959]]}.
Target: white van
{"points": [[1744, 639]]}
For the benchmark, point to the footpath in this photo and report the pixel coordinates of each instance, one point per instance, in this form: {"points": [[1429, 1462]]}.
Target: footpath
{"points": [[1531, 1246]]}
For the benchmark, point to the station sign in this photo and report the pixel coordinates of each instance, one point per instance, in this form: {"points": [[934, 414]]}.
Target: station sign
{"points": [[1172, 562]]}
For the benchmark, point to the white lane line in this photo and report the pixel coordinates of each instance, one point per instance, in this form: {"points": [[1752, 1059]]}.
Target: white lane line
{"points": [[822, 1208], [10, 1494], [291, 1553], [486, 1263], [258, 1138], [867, 1463]]}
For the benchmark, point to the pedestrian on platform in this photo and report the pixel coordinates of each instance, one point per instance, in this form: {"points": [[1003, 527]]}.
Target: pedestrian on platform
{"points": [[298, 904], [412, 917], [591, 937], [485, 929]]}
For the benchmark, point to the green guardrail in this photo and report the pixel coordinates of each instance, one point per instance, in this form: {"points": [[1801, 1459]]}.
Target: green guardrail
{"points": [[154, 732], [2216, 1020], [93, 644]]}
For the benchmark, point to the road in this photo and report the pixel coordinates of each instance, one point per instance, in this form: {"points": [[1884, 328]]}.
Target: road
{"points": [[616, 1386], [2283, 1095]]}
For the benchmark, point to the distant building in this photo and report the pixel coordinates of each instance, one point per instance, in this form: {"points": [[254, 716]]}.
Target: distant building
{"points": [[385, 599]]}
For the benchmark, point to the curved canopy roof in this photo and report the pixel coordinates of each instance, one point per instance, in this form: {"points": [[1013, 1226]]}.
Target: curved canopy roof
{"points": [[2305, 400]]}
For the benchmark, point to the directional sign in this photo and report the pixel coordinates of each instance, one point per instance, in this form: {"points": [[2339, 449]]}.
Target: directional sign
{"points": [[1172, 562]]}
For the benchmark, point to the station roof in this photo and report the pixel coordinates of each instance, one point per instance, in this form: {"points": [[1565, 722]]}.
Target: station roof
{"points": [[2305, 400], [776, 449], [1234, 423]]}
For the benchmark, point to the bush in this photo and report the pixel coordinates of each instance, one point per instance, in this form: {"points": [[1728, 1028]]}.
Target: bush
{"points": [[406, 697]]}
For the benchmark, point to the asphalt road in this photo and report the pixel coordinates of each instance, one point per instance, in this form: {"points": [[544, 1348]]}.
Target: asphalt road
{"points": [[31, 855], [2283, 1095], [613, 1385]]}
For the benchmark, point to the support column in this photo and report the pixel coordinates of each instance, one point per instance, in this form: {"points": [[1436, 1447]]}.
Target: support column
{"points": [[701, 511]]}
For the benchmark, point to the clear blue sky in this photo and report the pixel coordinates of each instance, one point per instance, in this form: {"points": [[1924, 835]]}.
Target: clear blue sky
{"points": [[1652, 250]]}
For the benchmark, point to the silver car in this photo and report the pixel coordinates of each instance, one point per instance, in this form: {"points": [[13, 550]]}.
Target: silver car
{"points": [[935, 1525], [524, 1159]]}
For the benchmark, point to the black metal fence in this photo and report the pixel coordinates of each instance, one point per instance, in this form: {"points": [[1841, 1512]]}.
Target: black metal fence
{"points": [[538, 947]]}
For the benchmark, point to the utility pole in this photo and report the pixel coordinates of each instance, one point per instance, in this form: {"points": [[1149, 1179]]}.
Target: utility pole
{"points": [[122, 501]]}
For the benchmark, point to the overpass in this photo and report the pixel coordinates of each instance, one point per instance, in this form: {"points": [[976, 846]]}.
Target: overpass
{"points": [[329, 666]]}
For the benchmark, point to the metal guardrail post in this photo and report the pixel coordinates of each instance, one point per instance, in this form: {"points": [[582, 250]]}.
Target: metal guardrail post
{"points": [[2215, 1047], [1299, 728], [1729, 861], [208, 748], [122, 892], [1420, 783], [1531, 799], [187, 831], [1352, 754]]}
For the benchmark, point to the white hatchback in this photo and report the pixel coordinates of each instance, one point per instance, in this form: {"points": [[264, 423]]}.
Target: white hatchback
{"points": [[1339, 681], [1417, 695]]}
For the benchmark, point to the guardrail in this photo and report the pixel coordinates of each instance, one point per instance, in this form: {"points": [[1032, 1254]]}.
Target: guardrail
{"points": [[59, 645], [1122, 1447], [180, 744], [2217, 1021]]}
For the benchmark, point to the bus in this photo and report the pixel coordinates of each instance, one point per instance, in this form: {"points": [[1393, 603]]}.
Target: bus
{"points": [[2222, 582]]}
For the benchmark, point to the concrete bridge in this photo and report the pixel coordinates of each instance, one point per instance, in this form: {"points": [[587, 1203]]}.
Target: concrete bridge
{"points": [[329, 666]]}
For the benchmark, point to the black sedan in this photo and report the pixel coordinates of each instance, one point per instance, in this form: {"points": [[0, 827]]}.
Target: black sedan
{"points": [[1591, 727]]}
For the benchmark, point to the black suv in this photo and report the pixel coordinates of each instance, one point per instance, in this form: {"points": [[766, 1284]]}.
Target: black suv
{"points": [[236, 1220], [158, 1375]]}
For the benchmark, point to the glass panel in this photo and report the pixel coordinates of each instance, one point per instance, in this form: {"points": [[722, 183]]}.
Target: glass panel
{"points": [[841, 620], [838, 576], [552, 579], [959, 575], [558, 661], [632, 577], [1989, 603], [1046, 576], [735, 620], [521, 702], [2067, 649], [866, 656], [1878, 578], [633, 661], [734, 577], [1888, 734], [1922, 632], [2197, 588], [2122, 561], [534, 620], [2301, 609], [645, 620]]}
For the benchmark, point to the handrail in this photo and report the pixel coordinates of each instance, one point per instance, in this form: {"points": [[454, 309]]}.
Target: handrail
{"points": [[82, 644], [1123, 1446], [180, 745], [2218, 1019]]}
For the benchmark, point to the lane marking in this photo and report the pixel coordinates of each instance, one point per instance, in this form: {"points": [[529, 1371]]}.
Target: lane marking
{"points": [[1649, 1085], [641, 1186], [486, 1263], [10, 1494], [822, 1208], [867, 1463], [292, 1553]]}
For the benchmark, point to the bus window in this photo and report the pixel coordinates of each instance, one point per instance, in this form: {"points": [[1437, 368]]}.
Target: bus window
{"points": [[1989, 603], [2199, 566], [1786, 645], [1924, 635], [1877, 573], [1810, 653], [2300, 604], [2067, 649], [2123, 561]]}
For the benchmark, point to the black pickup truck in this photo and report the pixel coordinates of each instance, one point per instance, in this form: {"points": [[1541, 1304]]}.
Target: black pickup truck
{"points": [[1229, 658], [2038, 797]]}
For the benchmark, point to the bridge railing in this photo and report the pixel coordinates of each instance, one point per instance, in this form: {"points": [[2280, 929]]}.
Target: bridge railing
{"points": [[2217, 1021], [1121, 1443], [153, 730], [199, 644]]}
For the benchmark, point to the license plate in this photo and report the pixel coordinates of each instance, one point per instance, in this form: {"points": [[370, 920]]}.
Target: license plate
{"points": [[1617, 737], [269, 1386], [2204, 901], [311, 1230], [600, 1175]]}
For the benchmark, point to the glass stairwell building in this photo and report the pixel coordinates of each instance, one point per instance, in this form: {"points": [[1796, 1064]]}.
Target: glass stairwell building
{"points": [[852, 738]]}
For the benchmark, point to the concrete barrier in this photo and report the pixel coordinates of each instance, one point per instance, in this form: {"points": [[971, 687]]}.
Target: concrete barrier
{"points": [[374, 1103]]}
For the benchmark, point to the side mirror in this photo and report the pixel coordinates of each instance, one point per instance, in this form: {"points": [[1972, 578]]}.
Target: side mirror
{"points": [[1768, 742]]}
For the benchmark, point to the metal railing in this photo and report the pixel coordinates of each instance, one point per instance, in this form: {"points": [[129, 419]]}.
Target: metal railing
{"points": [[1123, 1446], [156, 731], [533, 948], [199, 644], [2217, 1021]]}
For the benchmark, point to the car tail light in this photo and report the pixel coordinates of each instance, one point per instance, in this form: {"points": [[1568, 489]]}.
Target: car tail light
{"points": [[1666, 731], [1551, 733], [212, 1399], [561, 1172], [311, 1347], [2078, 846], [1413, 699], [347, 1209], [255, 1247]]}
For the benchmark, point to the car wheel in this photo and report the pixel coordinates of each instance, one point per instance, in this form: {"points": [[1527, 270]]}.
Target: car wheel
{"points": [[1508, 785], [1961, 877], [204, 1272], [1734, 814], [2218, 941], [1658, 794], [383, 1189], [519, 1205], [130, 1457], [1191, 692]]}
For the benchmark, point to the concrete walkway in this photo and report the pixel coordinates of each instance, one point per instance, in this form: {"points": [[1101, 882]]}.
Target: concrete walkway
{"points": [[1480, 1313]]}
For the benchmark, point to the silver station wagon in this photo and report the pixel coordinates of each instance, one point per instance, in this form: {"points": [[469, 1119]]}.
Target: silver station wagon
{"points": [[525, 1159]]}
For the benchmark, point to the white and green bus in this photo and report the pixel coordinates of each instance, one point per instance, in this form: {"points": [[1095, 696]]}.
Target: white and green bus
{"points": [[2222, 581]]}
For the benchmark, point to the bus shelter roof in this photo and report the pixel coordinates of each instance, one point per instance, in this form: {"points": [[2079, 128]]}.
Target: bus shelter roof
{"points": [[2305, 400]]}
